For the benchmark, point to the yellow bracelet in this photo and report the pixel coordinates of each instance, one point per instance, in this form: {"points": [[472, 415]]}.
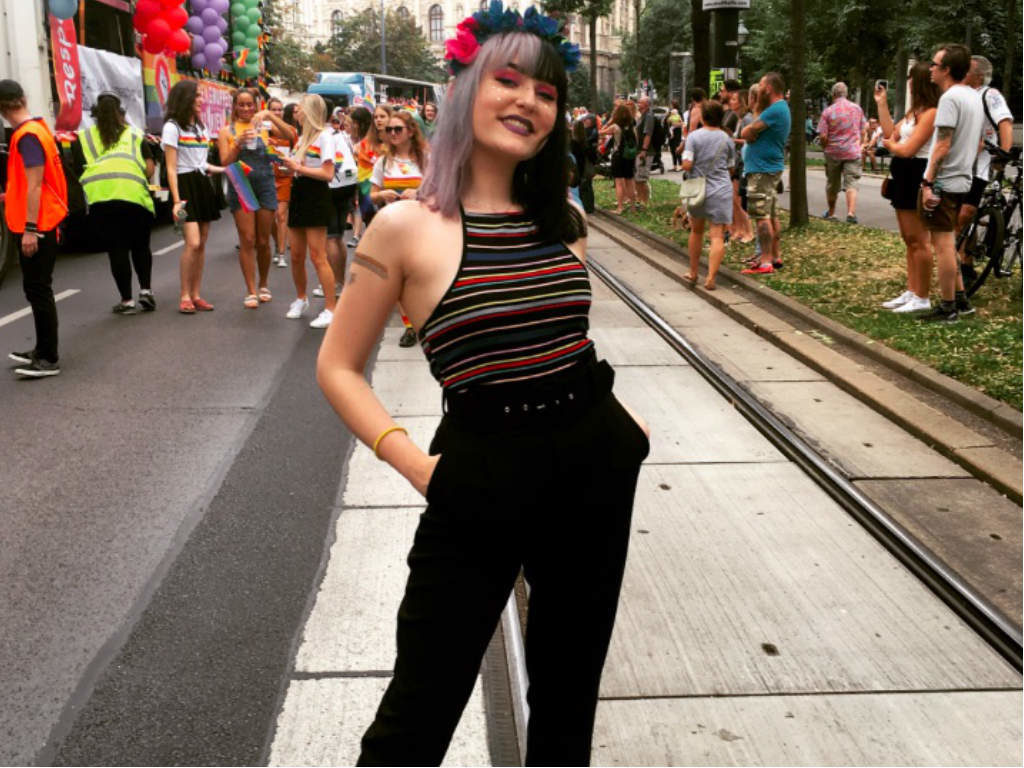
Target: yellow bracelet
{"points": [[385, 433]]}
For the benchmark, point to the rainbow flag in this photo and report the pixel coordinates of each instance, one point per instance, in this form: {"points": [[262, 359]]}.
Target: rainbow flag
{"points": [[236, 173]]}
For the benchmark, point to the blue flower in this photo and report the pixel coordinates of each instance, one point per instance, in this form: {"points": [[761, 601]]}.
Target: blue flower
{"points": [[570, 55]]}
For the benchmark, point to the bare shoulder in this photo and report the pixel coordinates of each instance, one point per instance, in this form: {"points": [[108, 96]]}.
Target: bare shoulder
{"points": [[407, 217], [405, 231]]}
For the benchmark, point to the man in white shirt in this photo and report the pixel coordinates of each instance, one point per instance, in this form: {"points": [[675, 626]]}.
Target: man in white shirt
{"points": [[947, 179], [998, 129]]}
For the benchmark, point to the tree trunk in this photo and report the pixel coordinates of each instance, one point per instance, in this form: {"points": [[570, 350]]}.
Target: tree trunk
{"points": [[640, 58], [797, 141], [593, 63], [701, 24], [1010, 59]]}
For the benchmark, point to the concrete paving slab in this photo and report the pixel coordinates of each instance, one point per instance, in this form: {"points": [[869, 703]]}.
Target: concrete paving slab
{"points": [[1001, 466], [962, 728], [748, 579], [599, 289], [371, 482], [406, 388], [634, 346], [352, 625], [322, 722], [612, 313], [690, 422], [744, 355], [972, 528], [859, 441], [762, 319], [389, 351]]}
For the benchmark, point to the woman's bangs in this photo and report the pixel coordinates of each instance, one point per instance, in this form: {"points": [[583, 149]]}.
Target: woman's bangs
{"points": [[532, 56]]}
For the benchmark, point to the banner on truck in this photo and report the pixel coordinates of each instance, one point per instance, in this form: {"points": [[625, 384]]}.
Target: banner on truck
{"points": [[66, 73], [106, 71], [216, 101], [159, 74]]}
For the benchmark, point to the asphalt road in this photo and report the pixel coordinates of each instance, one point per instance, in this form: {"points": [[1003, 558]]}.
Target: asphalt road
{"points": [[166, 505]]}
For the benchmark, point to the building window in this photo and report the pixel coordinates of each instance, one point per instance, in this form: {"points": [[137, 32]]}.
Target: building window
{"points": [[485, 4], [436, 16], [337, 19], [403, 12]]}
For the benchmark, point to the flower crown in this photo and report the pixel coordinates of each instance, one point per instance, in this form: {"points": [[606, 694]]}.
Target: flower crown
{"points": [[473, 31]]}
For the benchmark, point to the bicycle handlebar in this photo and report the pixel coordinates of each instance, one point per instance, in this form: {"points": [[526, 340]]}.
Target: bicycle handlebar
{"points": [[1003, 156]]}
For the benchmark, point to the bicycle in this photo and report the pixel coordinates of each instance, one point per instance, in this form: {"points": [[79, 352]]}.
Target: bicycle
{"points": [[993, 235]]}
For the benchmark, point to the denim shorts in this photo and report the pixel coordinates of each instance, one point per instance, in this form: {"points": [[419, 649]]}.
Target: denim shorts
{"points": [[263, 186]]}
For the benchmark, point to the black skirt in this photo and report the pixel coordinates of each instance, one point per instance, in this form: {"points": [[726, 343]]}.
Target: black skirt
{"points": [[310, 204], [196, 188], [907, 173]]}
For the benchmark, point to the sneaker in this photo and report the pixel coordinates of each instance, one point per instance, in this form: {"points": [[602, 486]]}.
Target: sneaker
{"points": [[318, 292], [297, 309], [963, 307], [850, 219], [408, 338], [147, 302], [760, 269], [281, 261], [323, 319], [915, 304], [22, 358], [941, 314], [125, 309], [899, 301], [353, 242], [828, 216], [38, 369]]}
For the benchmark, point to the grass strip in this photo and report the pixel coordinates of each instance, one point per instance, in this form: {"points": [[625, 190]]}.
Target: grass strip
{"points": [[845, 271]]}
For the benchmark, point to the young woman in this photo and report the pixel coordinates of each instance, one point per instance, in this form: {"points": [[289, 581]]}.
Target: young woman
{"points": [[910, 142], [343, 186], [535, 462], [246, 138], [429, 119], [741, 230], [186, 145], [282, 178], [359, 122], [397, 175], [585, 156], [674, 123], [309, 211], [623, 169], [114, 162], [369, 147], [710, 153]]}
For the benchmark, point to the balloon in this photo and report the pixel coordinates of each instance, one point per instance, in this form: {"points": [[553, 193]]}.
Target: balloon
{"points": [[152, 45], [209, 17], [199, 61], [158, 31], [254, 14], [198, 6], [237, 10], [63, 9], [252, 44], [212, 52], [176, 18], [147, 9], [221, 24], [220, 6], [197, 44], [238, 37], [211, 34], [255, 30], [251, 3], [194, 25], [171, 3], [179, 41]]}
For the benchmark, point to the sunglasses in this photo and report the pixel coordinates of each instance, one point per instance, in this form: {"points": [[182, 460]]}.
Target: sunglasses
{"points": [[933, 64], [395, 129]]}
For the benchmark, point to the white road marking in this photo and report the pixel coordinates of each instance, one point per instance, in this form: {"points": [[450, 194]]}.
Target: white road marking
{"points": [[28, 310], [170, 247]]}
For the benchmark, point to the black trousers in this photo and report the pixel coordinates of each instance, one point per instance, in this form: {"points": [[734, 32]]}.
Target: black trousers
{"points": [[124, 229], [553, 496], [37, 282]]}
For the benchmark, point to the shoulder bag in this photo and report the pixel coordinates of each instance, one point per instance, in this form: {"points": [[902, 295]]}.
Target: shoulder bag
{"points": [[692, 191]]}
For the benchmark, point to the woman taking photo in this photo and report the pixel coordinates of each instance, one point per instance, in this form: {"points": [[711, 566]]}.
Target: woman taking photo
{"points": [[397, 175], [114, 162], [535, 462], [910, 142], [282, 178], [623, 168], [709, 153], [246, 138], [186, 145], [310, 211]]}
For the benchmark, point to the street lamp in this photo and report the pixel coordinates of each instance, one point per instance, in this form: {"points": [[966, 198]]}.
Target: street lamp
{"points": [[741, 34], [677, 72]]}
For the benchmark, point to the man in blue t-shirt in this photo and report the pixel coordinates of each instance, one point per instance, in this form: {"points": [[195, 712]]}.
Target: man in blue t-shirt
{"points": [[763, 160]]}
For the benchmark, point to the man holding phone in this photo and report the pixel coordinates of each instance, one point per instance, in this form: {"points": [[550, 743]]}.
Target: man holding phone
{"points": [[840, 129]]}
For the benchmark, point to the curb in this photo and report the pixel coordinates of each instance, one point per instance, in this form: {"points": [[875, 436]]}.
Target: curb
{"points": [[1002, 470]]}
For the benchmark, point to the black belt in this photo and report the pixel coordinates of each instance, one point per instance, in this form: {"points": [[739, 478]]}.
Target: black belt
{"points": [[557, 397]]}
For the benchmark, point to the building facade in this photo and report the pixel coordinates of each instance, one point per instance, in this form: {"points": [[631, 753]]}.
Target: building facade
{"points": [[311, 22]]}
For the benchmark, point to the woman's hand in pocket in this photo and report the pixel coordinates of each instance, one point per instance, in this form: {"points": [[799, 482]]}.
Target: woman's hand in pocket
{"points": [[639, 421], [424, 473]]}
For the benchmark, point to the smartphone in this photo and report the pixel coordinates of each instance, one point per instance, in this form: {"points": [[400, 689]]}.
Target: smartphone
{"points": [[883, 84]]}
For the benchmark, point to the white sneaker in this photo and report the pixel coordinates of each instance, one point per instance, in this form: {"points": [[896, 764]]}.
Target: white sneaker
{"points": [[297, 309], [318, 292], [899, 301], [281, 261], [323, 319], [353, 242], [916, 304]]}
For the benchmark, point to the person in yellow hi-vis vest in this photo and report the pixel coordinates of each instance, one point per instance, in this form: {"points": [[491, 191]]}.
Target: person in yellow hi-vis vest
{"points": [[114, 163]]}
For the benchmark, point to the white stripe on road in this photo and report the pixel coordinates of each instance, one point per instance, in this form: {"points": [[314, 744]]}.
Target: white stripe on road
{"points": [[28, 310], [170, 247]]}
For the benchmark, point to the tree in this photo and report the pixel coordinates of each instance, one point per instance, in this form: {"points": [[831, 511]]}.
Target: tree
{"points": [[288, 63], [664, 28], [591, 10], [355, 47], [700, 22], [798, 151]]}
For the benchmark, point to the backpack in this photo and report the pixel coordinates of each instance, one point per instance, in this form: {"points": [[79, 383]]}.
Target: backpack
{"points": [[658, 135], [627, 149]]}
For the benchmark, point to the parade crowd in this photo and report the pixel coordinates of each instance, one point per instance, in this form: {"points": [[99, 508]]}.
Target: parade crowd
{"points": [[308, 177]]}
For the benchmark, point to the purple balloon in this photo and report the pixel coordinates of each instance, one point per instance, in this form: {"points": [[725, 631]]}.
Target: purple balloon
{"points": [[197, 44], [199, 61], [194, 25], [212, 52], [198, 6], [222, 24], [211, 34], [209, 17], [221, 5]]}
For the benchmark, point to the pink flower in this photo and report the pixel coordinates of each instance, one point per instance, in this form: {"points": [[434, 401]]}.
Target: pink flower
{"points": [[469, 24], [463, 48]]}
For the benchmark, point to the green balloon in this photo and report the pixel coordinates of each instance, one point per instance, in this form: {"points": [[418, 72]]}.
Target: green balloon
{"points": [[254, 14], [238, 37], [251, 3], [251, 43], [238, 10], [252, 70]]}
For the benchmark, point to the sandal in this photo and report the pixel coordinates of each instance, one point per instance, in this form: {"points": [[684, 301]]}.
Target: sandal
{"points": [[265, 295], [186, 307], [203, 305], [251, 302]]}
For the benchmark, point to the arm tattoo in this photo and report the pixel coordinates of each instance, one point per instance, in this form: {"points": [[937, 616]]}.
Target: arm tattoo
{"points": [[371, 264], [945, 133]]}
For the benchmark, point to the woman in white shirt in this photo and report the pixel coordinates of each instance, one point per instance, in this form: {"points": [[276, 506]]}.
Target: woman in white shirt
{"points": [[186, 145], [309, 211], [343, 187]]}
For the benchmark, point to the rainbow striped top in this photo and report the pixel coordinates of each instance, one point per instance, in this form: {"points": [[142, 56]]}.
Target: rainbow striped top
{"points": [[516, 310]]}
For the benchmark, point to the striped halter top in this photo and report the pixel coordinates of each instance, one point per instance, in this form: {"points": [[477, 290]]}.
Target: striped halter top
{"points": [[516, 310]]}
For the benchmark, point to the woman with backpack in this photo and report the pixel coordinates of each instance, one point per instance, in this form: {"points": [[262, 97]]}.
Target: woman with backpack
{"points": [[624, 152]]}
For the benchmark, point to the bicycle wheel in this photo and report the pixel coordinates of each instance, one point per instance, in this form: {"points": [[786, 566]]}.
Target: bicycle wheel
{"points": [[985, 243], [1011, 240]]}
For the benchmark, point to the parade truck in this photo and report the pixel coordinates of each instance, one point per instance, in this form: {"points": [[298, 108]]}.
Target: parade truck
{"points": [[344, 89]]}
